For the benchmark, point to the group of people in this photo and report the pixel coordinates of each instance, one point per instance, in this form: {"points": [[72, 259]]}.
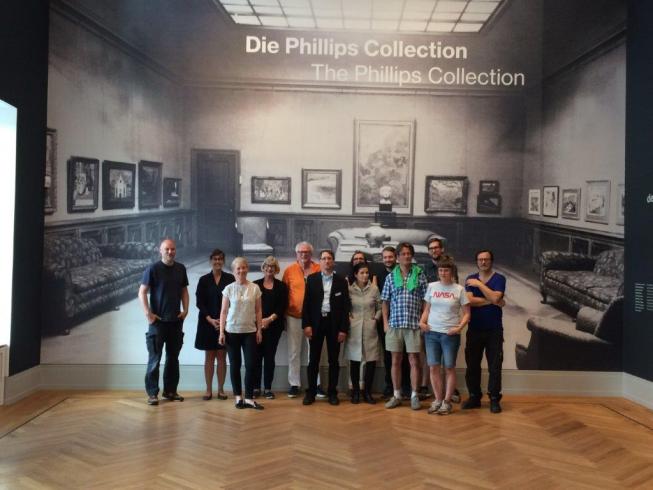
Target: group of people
{"points": [[394, 311]]}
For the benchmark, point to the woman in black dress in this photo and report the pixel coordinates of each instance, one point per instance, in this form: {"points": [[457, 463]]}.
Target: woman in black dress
{"points": [[275, 302], [209, 301]]}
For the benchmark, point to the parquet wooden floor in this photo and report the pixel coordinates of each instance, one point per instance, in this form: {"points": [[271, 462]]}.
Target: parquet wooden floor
{"points": [[114, 440]]}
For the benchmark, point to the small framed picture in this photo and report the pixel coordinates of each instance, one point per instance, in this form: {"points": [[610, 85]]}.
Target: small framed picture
{"points": [[488, 186], [321, 189], [534, 202], [597, 205], [118, 181], [83, 181], [571, 203], [550, 201], [446, 194], [270, 190], [171, 192], [149, 184], [488, 203], [621, 204]]}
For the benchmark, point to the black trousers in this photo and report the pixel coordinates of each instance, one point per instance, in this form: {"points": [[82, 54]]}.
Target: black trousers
{"points": [[160, 335], [265, 353], [478, 341], [406, 387], [368, 376], [247, 343], [323, 332]]}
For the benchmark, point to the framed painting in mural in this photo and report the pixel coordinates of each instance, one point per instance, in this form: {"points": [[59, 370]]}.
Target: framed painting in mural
{"points": [[321, 189], [550, 195], [83, 181], [50, 182], [621, 204], [488, 187], [446, 194], [171, 192], [597, 205], [118, 181], [534, 202], [570, 203], [488, 203], [383, 165], [270, 190], [149, 184]]}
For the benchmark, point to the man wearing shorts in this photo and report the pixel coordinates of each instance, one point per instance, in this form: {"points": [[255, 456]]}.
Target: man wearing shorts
{"points": [[402, 297]]}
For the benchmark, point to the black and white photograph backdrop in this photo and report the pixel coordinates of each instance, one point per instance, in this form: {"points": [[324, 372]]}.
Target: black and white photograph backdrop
{"points": [[381, 146]]}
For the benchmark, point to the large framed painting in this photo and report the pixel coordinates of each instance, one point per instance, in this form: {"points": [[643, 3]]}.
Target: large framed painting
{"points": [[83, 181], [118, 181], [321, 189], [550, 196], [171, 192], [384, 153], [271, 190], [446, 194], [597, 206], [571, 203], [149, 184], [534, 202], [50, 181]]}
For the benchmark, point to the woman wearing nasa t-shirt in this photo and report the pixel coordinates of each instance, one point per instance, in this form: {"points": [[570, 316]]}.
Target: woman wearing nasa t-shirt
{"points": [[445, 315]]}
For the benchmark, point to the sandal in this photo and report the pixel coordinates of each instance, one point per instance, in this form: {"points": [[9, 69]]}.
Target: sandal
{"points": [[207, 397], [221, 396]]}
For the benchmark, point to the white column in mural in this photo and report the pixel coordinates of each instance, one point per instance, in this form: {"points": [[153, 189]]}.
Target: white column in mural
{"points": [[7, 203]]}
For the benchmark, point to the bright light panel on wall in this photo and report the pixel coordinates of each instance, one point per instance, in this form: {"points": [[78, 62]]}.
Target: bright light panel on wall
{"points": [[409, 16], [8, 116]]}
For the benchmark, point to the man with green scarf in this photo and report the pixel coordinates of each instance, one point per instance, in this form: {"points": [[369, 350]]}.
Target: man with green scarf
{"points": [[402, 307]]}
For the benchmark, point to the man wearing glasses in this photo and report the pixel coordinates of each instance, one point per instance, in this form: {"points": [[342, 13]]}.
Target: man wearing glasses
{"points": [[485, 290], [436, 250]]}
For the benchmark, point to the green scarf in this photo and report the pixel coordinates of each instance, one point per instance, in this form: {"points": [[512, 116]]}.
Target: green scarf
{"points": [[413, 277]]}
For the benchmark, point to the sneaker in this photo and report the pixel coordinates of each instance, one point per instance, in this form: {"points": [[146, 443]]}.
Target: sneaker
{"points": [[153, 400], [445, 408], [293, 392], [267, 394], [173, 397], [495, 406], [455, 398], [320, 393], [414, 403], [435, 406], [472, 402], [393, 403]]}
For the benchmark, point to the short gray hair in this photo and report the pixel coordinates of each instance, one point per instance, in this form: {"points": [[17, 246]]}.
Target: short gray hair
{"points": [[307, 244]]}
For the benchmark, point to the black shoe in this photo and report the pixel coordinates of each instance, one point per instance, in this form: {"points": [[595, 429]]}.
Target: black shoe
{"points": [[355, 397], [173, 397], [268, 395], [320, 393], [293, 392], [309, 399], [254, 405], [333, 399], [153, 400], [495, 406], [472, 402], [367, 396], [239, 404]]}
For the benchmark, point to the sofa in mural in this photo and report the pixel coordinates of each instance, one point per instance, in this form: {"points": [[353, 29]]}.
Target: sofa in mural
{"points": [[592, 343], [82, 278], [579, 280], [371, 240]]}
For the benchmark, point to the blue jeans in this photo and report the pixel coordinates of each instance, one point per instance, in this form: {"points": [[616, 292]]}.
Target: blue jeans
{"points": [[441, 349], [159, 334]]}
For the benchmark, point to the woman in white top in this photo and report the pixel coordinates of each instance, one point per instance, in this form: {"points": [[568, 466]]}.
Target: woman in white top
{"points": [[240, 329], [445, 315]]}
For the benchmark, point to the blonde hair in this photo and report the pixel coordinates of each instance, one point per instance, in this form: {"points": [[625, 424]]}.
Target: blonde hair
{"points": [[271, 261], [239, 260]]}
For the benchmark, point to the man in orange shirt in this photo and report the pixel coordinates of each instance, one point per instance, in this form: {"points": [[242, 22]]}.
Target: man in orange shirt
{"points": [[295, 278]]}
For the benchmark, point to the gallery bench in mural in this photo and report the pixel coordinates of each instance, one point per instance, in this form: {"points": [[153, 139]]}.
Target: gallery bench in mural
{"points": [[81, 277], [592, 343], [371, 240], [580, 280]]}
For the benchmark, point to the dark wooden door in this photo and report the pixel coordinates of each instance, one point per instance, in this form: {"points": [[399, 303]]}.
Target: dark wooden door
{"points": [[216, 181]]}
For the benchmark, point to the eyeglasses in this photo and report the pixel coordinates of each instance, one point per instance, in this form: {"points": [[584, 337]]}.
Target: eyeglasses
{"points": [[483, 260], [432, 249]]}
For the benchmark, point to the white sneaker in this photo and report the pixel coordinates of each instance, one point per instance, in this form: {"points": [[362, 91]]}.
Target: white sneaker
{"points": [[435, 406], [445, 408]]}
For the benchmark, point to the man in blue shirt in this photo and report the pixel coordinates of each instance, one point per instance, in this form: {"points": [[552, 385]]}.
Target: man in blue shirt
{"points": [[485, 290]]}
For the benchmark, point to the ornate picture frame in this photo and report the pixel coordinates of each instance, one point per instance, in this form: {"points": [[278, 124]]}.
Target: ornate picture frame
{"points": [[149, 184], [446, 194], [83, 183], [271, 190], [118, 185], [321, 189]]}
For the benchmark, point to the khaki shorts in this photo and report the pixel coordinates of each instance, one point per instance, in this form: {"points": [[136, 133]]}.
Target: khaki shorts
{"points": [[395, 339]]}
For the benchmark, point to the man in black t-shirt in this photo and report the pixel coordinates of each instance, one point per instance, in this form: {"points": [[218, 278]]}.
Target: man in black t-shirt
{"points": [[166, 283]]}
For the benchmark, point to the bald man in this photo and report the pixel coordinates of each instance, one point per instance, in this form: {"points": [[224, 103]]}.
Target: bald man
{"points": [[166, 283]]}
